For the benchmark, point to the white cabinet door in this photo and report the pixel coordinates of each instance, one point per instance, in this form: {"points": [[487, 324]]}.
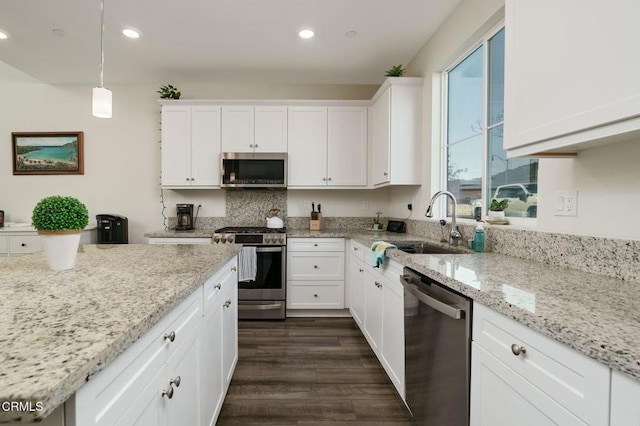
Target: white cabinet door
{"points": [[205, 146], [229, 334], [569, 86], [176, 145], [347, 146], [625, 394], [357, 290], [212, 390], [270, 129], [499, 396], [392, 351], [183, 374], [237, 128], [307, 146], [149, 408], [381, 138], [373, 310]]}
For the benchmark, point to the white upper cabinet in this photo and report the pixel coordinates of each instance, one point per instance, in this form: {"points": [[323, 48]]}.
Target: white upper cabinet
{"points": [[396, 132], [190, 146], [307, 156], [327, 146], [254, 128], [571, 75], [347, 146]]}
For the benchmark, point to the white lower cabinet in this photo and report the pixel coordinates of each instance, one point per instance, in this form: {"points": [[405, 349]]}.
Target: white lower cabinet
{"points": [[315, 273], [625, 395], [176, 373], [517, 373], [377, 306]]}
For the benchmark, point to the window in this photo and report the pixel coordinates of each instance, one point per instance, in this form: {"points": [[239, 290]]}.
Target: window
{"points": [[477, 167]]}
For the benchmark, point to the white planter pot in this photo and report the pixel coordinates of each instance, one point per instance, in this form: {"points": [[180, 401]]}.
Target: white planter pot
{"points": [[61, 248], [497, 216]]}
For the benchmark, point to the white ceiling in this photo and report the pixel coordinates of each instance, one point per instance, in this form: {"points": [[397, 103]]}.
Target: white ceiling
{"points": [[209, 41]]}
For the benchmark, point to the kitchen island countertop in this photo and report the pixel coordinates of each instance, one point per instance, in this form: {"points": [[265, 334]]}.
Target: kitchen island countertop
{"points": [[59, 328]]}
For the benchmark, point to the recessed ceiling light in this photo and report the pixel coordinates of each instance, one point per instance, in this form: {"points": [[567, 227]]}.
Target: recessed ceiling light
{"points": [[131, 33], [351, 34], [306, 34], [4, 35]]}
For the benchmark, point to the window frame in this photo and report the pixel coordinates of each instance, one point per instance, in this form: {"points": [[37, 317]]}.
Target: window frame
{"points": [[482, 42]]}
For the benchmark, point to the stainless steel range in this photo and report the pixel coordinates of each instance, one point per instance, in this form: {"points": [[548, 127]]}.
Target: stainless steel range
{"points": [[264, 298]]}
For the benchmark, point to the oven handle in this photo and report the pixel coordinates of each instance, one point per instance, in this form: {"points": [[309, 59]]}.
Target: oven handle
{"points": [[259, 307], [268, 249]]}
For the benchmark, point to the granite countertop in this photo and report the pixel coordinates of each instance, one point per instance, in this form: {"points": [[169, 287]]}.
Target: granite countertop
{"points": [[11, 227], [593, 314], [58, 328]]}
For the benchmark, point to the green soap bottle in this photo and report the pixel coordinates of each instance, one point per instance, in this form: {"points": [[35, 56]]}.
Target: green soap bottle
{"points": [[478, 239]]}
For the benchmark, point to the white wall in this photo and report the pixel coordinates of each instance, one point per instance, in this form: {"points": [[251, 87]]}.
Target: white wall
{"points": [[606, 177], [121, 155]]}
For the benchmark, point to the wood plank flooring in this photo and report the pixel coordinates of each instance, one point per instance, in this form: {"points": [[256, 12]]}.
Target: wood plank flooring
{"points": [[309, 372]]}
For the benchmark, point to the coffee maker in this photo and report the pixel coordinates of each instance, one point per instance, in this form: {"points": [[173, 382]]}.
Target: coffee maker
{"points": [[185, 217]]}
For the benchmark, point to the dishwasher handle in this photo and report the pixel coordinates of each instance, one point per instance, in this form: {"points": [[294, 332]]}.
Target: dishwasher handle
{"points": [[448, 310]]}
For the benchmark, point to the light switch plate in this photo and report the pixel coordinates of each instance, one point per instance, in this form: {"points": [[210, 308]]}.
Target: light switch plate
{"points": [[566, 203]]}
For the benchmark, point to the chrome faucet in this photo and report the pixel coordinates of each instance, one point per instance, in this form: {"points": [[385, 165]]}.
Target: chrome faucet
{"points": [[454, 235]]}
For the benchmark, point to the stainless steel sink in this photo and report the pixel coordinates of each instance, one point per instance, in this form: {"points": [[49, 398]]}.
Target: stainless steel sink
{"points": [[421, 247]]}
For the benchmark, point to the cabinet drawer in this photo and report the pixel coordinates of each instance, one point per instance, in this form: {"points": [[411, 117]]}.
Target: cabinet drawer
{"points": [[315, 266], [359, 250], [315, 244], [216, 287], [189, 317], [4, 244], [575, 381], [311, 295], [24, 244]]}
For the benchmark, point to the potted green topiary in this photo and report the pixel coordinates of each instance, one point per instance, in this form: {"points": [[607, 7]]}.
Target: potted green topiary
{"points": [[169, 92], [376, 222], [497, 208], [60, 221], [395, 71]]}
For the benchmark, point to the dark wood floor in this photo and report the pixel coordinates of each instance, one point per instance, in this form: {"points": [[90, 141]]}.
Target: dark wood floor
{"points": [[308, 372]]}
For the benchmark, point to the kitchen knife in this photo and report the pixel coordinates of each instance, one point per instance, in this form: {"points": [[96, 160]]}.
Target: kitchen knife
{"points": [[319, 211], [314, 215]]}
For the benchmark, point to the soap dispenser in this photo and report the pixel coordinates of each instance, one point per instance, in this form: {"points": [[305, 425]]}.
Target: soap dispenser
{"points": [[478, 239]]}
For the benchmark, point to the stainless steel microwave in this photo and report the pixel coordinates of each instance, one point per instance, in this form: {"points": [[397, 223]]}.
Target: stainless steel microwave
{"points": [[254, 170]]}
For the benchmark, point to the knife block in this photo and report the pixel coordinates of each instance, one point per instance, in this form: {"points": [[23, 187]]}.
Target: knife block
{"points": [[316, 225]]}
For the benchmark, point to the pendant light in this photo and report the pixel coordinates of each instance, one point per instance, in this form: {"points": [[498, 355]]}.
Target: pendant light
{"points": [[101, 104]]}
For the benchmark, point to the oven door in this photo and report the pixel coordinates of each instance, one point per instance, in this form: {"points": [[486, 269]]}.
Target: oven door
{"points": [[270, 276]]}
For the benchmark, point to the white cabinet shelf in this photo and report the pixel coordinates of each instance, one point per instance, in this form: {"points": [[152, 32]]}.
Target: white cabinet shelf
{"points": [[571, 81], [190, 146]]}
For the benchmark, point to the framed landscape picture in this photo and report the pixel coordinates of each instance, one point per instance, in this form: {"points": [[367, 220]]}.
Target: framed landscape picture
{"points": [[48, 153]]}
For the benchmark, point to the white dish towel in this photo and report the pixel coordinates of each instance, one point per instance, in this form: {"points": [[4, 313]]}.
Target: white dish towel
{"points": [[247, 264]]}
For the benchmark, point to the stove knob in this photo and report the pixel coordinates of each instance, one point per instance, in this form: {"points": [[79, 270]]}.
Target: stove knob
{"points": [[216, 239], [230, 238], [280, 240], [223, 239], [267, 240]]}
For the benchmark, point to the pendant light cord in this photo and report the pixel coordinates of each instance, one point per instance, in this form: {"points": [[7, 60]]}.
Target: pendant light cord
{"points": [[101, 43]]}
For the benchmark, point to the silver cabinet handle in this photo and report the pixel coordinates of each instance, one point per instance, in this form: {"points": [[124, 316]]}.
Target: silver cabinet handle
{"points": [[355, 249], [329, 179], [315, 266], [378, 284], [315, 244], [233, 268], [168, 393], [187, 179], [386, 174], [218, 286], [517, 350], [361, 270], [170, 337], [227, 303], [255, 146], [315, 295], [175, 381], [23, 244], [250, 145]]}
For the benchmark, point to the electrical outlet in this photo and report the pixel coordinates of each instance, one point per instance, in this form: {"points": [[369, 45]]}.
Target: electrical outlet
{"points": [[409, 206], [566, 203], [365, 205]]}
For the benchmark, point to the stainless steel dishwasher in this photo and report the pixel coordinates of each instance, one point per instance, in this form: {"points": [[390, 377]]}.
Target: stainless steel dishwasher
{"points": [[437, 327]]}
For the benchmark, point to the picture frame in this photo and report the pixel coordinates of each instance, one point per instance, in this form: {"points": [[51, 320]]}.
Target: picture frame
{"points": [[48, 153]]}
